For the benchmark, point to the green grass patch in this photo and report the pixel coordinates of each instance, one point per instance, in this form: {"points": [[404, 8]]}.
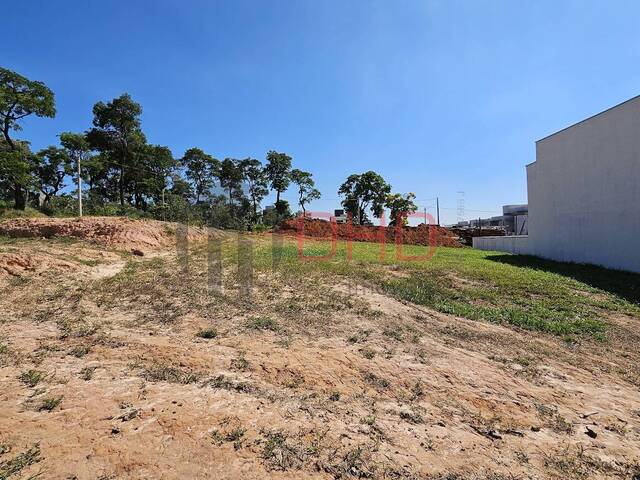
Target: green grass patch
{"points": [[263, 323], [31, 378], [207, 333], [527, 292]]}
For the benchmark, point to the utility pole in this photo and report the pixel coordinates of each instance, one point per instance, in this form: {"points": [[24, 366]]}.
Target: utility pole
{"points": [[438, 209], [79, 187], [425, 215]]}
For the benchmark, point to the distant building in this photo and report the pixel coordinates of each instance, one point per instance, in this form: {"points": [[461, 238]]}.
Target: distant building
{"points": [[584, 193], [514, 220]]}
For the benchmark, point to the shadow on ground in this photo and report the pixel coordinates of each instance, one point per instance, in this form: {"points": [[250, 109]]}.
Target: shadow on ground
{"points": [[625, 285]]}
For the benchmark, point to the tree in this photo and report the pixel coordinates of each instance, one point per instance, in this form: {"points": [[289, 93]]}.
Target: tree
{"points": [[154, 164], [180, 187], [19, 98], [278, 172], [306, 188], [367, 190], [117, 133], [200, 169], [79, 152], [231, 176], [53, 164], [257, 182], [400, 206]]}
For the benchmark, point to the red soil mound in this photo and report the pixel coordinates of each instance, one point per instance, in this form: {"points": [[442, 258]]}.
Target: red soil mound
{"points": [[114, 232], [421, 235]]}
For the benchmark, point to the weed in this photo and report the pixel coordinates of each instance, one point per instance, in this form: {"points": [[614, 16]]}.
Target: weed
{"points": [[86, 373], [394, 331], [240, 363], [224, 383], [80, 351], [279, 453], [230, 431], [355, 463], [49, 404], [411, 417], [163, 373], [375, 381], [368, 420], [207, 333], [263, 323], [76, 329], [31, 378], [15, 465], [417, 390], [367, 353], [554, 420], [335, 396], [361, 336]]}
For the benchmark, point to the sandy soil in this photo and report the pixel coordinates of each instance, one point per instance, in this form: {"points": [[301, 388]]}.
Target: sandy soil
{"points": [[349, 384]]}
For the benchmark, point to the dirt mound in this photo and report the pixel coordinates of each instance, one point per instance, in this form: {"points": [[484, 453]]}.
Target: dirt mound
{"points": [[115, 232], [15, 264], [420, 235]]}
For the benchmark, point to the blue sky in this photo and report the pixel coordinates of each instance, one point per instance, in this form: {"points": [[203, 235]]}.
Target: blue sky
{"points": [[439, 97]]}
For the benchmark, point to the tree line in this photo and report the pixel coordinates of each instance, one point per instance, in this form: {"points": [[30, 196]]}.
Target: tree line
{"points": [[113, 169]]}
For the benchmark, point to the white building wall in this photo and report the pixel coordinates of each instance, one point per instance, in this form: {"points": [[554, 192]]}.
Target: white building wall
{"points": [[516, 244], [584, 191]]}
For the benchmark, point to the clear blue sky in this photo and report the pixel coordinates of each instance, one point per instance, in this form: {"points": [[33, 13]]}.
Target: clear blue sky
{"points": [[437, 96]]}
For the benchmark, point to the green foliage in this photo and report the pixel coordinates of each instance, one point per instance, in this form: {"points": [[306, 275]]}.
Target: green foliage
{"points": [[257, 183], [31, 378], [207, 333], [201, 170], [263, 323], [117, 134], [122, 174], [19, 98], [399, 205], [306, 188], [562, 299], [52, 165], [367, 190], [231, 176], [278, 171]]}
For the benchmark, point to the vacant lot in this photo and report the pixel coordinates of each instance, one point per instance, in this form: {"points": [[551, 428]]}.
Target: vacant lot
{"points": [[468, 365]]}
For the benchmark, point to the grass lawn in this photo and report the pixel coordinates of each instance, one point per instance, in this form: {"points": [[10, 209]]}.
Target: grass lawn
{"points": [[562, 299]]}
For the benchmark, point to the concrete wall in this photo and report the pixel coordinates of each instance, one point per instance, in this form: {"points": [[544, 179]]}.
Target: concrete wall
{"points": [[584, 191], [517, 244]]}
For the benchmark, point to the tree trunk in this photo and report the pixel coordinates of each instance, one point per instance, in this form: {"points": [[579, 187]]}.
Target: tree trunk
{"points": [[20, 200], [121, 186]]}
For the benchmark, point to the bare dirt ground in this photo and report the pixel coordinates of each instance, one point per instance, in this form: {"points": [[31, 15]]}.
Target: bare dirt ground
{"points": [[116, 366]]}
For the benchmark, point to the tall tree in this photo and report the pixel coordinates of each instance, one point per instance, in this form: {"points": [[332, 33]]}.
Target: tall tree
{"points": [[53, 164], [79, 152], [116, 132], [257, 182], [367, 190], [306, 188], [201, 169], [231, 176], [154, 165], [180, 187], [19, 98], [399, 206], [279, 173]]}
